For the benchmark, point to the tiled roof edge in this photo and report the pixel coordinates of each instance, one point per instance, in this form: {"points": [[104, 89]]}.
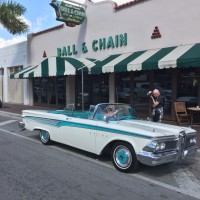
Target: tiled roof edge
{"points": [[48, 30], [130, 3]]}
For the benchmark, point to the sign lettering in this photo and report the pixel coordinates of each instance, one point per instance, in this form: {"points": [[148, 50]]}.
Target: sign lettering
{"points": [[100, 44]]}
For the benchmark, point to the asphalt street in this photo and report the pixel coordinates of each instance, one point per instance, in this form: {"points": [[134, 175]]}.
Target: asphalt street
{"points": [[30, 170]]}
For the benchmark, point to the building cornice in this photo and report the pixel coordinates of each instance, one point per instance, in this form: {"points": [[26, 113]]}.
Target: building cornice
{"points": [[130, 3], [48, 30]]}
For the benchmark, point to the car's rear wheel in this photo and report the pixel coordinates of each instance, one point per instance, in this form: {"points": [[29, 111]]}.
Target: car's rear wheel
{"points": [[123, 157], [45, 137]]}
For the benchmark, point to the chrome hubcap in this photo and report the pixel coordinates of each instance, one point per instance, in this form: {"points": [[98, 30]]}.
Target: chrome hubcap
{"points": [[122, 157], [44, 136]]}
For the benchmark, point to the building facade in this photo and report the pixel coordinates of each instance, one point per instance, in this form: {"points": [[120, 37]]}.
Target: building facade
{"points": [[118, 54], [12, 59]]}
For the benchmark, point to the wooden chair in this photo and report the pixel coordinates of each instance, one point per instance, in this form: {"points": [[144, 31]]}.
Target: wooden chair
{"points": [[183, 118]]}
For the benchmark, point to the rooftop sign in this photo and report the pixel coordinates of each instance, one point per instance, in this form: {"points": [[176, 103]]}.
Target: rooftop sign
{"points": [[70, 13]]}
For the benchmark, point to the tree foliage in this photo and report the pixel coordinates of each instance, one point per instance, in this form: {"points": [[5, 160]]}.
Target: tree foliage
{"points": [[10, 13]]}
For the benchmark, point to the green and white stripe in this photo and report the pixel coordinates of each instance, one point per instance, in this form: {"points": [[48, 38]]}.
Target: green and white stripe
{"points": [[56, 66], [170, 60], [21, 73], [169, 57]]}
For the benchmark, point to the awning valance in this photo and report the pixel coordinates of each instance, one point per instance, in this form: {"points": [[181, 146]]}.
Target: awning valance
{"points": [[56, 66], [170, 57]]}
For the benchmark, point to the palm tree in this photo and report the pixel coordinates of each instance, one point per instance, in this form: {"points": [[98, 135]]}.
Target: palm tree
{"points": [[10, 13]]}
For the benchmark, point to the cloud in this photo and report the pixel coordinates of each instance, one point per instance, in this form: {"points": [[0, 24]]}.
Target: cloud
{"points": [[14, 40], [33, 27], [39, 24], [25, 20]]}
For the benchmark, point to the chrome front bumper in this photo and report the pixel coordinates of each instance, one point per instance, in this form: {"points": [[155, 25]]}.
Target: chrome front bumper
{"points": [[151, 159]]}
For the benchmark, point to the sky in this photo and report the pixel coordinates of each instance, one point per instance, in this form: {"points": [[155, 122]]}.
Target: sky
{"points": [[39, 16]]}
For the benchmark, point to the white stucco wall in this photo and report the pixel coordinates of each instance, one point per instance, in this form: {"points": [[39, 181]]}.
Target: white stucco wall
{"points": [[14, 90], [177, 21]]}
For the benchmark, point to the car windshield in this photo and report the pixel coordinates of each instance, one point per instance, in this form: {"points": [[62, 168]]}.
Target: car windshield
{"points": [[113, 112]]}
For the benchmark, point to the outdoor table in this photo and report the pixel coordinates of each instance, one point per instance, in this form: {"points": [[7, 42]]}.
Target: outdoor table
{"points": [[192, 111]]}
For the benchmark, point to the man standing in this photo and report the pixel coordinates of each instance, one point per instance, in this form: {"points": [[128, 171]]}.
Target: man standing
{"points": [[158, 103]]}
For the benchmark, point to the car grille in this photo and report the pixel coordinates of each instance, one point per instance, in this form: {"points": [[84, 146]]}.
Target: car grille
{"points": [[171, 145]]}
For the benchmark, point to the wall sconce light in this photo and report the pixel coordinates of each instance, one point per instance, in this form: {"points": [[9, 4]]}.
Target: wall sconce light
{"points": [[44, 54]]}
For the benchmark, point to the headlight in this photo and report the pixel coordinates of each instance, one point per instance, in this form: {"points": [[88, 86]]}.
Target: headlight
{"points": [[193, 140], [155, 146], [160, 146]]}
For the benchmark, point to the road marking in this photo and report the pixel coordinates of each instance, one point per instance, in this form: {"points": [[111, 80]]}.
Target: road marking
{"points": [[7, 122], [180, 190], [12, 115], [185, 187], [21, 136], [186, 181]]}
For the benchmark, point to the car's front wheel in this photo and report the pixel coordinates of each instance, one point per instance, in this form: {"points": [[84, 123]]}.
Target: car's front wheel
{"points": [[123, 157], [45, 137]]}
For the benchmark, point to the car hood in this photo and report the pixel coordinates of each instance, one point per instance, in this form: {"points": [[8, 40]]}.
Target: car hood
{"points": [[154, 129]]}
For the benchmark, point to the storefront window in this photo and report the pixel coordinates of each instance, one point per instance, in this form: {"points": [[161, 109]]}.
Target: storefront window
{"points": [[83, 92], [36, 91], [96, 90], [104, 88], [163, 82], [187, 87], [123, 90], [44, 91], [50, 91], [61, 88], [140, 98], [100, 89]]}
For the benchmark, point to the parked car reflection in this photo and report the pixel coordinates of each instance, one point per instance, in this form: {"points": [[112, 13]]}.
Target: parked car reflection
{"points": [[141, 90], [189, 100]]}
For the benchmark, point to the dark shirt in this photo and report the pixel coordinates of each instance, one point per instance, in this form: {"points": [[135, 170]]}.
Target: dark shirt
{"points": [[159, 99]]}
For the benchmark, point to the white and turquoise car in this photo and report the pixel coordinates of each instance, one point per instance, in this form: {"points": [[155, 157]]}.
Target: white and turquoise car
{"points": [[129, 140]]}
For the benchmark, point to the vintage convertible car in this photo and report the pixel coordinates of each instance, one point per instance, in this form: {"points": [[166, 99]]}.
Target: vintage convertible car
{"points": [[129, 140]]}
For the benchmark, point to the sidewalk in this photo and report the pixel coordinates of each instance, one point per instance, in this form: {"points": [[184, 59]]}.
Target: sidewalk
{"points": [[16, 110]]}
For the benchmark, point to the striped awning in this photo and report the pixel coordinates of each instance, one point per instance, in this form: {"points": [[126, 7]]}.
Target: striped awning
{"points": [[20, 74], [56, 66], [170, 57]]}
